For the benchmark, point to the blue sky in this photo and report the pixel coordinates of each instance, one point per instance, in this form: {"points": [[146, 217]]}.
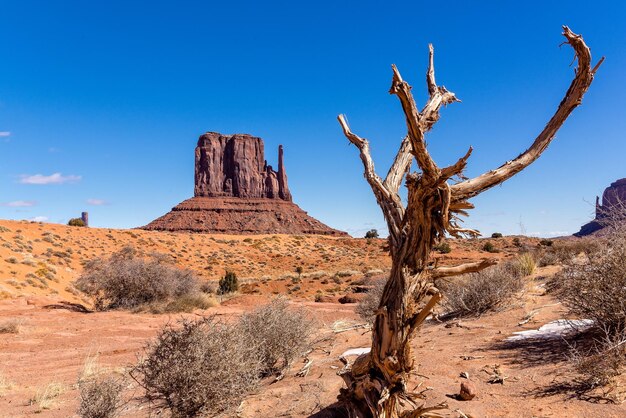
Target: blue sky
{"points": [[105, 102]]}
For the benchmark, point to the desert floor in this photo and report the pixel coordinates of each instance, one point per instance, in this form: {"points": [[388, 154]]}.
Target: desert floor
{"points": [[57, 342]]}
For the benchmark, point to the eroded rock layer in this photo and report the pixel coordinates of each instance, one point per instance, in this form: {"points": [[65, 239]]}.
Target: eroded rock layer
{"points": [[236, 192]]}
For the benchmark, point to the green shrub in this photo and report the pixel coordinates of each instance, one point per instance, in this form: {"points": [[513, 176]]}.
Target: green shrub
{"points": [[228, 284], [489, 247], [76, 222], [443, 248], [496, 235], [546, 242], [372, 233]]}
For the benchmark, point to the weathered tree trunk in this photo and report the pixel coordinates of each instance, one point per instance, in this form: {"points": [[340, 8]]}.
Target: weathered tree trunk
{"points": [[376, 383]]}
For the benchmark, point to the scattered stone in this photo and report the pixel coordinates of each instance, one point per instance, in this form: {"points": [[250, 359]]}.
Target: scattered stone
{"points": [[348, 299], [468, 391]]}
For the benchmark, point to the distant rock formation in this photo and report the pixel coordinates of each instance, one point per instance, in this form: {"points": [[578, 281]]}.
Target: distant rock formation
{"points": [[236, 192], [613, 195], [234, 166]]}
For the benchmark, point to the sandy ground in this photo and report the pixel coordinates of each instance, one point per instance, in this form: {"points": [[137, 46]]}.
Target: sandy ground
{"points": [[57, 343]]}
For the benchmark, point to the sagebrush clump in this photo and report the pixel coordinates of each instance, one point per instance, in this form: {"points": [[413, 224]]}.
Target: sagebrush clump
{"points": [[206, 367], [280, 333], [487, 290], [199, 367], [126, 281], [100, 397]]}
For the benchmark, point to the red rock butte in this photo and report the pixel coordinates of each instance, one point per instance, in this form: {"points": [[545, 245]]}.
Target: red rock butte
{"points": [[236, 192], [613, 198]]}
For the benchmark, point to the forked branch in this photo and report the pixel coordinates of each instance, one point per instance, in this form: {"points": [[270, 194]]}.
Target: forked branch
{"points": [[573, 98]]}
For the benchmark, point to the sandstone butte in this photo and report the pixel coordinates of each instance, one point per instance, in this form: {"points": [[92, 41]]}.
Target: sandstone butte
{"points": [[613, 198], [236, 192]]}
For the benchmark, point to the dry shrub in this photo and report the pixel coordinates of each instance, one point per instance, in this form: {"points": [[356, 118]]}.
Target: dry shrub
{"points": [[279, 333], [125, 281], [596, 289], [598, 366], [367, 307], [206, 367], [100, 398], [201, 367], [487, 290], [565, 251], [11, 326], [185, 303]]}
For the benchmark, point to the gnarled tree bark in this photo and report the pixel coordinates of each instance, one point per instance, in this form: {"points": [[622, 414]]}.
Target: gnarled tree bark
{"points": [[376, 382]]}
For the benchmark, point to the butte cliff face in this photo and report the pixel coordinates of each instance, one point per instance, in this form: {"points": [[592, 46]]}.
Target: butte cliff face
{"points": [[234, 166], [613, 197], [237, 192]]}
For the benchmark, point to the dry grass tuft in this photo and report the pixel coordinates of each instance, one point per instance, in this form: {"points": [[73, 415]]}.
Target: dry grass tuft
{"points": [[46, 397], [11, 326], [5, 384], [526, 264]]}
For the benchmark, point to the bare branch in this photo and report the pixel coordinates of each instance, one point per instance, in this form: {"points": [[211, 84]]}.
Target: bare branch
{"points": [[400, 166], [573, 97], [389, 202], [456, 168], [430, 74], [421, 316], [439, 272], [402, 89], [439, 95]]}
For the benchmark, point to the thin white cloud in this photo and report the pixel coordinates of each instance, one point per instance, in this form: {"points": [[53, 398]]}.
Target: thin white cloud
{"points": [[5, 133], [39, 219], [96, 202], [19, 204], [56, 178]]}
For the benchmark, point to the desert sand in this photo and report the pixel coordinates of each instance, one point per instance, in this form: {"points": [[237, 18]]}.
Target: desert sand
{"points": [[58, 341]]}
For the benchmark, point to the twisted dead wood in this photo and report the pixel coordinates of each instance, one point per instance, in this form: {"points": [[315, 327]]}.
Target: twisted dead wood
{"points": [[376, 382]]}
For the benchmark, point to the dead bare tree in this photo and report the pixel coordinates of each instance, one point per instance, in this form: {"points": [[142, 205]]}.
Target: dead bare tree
{"points": [[376, 382]]}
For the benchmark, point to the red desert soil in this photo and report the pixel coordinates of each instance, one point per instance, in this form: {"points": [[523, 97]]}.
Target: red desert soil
{"points": [[55, 343]]}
